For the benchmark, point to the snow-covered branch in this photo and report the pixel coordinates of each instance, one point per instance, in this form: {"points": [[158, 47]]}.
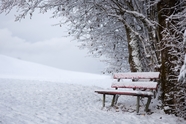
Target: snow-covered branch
{"points": [[182, 75]]}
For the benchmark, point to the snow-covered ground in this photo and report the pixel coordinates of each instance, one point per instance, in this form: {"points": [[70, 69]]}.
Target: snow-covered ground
{"points": [[36, 94]]}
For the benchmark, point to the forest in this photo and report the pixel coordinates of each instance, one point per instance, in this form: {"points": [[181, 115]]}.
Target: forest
{"points": [[131, 35]]}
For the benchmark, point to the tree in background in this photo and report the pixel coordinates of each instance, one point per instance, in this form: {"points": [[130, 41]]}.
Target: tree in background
{"points": [[146, 32]]}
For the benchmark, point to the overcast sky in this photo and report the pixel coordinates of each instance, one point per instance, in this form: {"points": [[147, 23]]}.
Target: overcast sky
{"points": [[38, 41]]}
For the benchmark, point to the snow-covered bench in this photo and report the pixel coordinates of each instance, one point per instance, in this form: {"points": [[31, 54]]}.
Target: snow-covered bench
{"points": [[143, 84]]}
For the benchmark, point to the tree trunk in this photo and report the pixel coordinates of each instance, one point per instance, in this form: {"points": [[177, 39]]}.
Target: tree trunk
{"points": [[131, 62]]}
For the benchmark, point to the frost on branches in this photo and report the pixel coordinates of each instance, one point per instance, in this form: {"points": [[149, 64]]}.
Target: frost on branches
{"points": [[181, 98], [182, 76], [184, 38]]}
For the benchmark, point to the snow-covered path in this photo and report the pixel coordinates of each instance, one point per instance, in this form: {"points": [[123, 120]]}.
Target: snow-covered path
{"points": [[36, 94]]}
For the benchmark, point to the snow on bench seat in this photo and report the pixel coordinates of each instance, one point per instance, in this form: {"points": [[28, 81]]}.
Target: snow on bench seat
{"points": [[136, 85], [125, 92]]}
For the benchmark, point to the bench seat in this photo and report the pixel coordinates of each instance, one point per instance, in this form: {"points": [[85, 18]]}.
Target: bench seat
{"points": [[115, 93], [125, 92]]}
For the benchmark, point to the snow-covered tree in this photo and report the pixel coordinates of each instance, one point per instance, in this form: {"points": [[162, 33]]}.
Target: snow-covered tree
{"points": [[182, 75], [100, 26], [172, 50], [181, 97]]}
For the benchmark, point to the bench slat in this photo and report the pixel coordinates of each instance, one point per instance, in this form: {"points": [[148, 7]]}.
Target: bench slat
{"points": [[139, 85], [127, 92], [137, 75]]}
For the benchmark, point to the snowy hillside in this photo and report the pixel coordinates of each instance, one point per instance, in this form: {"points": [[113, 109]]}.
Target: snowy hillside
{"points": [[19, 69], [36, 94]]}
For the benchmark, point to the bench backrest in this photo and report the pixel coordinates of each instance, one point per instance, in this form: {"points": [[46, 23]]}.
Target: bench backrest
{"points": [[137, 75], [145, 80], [135, 85]]}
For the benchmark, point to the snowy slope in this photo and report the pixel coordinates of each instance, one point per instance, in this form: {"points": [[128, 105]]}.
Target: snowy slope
{"points": [[37, 94], [19, 69]]}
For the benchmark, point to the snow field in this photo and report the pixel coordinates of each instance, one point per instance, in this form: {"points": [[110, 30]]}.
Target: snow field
{"points": [[43, 102]]}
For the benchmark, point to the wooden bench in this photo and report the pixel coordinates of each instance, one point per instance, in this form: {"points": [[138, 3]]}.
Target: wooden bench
{"points": [[143, 84]]}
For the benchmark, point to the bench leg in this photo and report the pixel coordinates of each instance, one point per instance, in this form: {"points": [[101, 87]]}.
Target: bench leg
{"points": [[148, 103], [103, 100], [138, 104], [116, 99], [113, 100]]}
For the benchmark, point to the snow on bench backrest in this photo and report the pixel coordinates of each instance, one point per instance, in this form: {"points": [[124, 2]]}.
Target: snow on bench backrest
{"points": [[137, 75], [138, 85]]}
